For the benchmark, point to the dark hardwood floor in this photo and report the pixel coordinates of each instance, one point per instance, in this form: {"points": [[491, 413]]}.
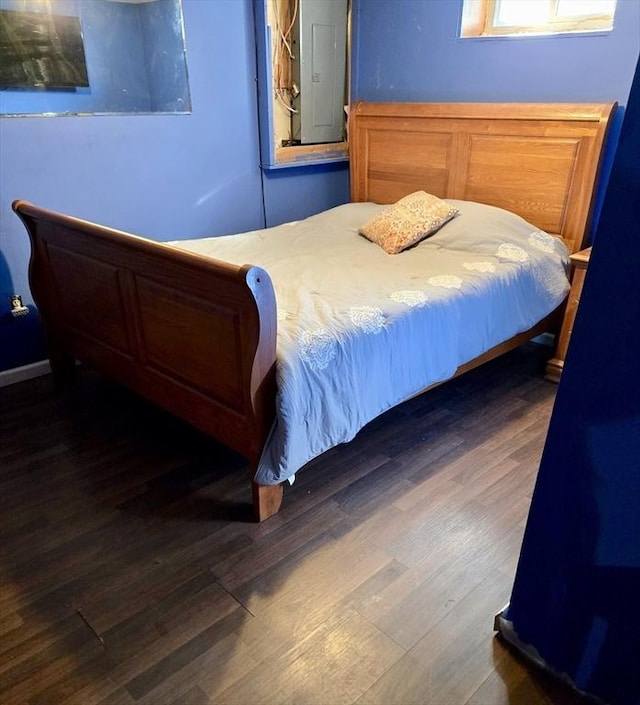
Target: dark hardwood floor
{"points": [[132, 573]]}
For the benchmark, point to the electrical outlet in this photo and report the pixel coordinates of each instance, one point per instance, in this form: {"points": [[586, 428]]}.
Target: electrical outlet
{"points": [[17, 307]]}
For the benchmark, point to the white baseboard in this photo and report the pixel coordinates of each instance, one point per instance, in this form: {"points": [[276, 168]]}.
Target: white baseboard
{"points": [[20, 374]]}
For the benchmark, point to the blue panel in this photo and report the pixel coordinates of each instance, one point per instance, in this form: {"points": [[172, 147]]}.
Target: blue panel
{"points": [[575, 597]]}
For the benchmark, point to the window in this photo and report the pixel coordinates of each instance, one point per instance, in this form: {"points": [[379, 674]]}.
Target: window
{"points": [[482, 18], [302, 80]]}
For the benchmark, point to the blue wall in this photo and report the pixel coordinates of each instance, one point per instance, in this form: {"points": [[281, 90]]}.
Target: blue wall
{"points": [[410, 50], [160, 176]]}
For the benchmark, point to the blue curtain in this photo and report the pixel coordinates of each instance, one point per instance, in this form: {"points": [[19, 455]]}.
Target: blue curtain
{"points": [[576, 598]]}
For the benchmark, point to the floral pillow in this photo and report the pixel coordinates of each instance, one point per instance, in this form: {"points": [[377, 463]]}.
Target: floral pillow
{"points": [[408, 221]]}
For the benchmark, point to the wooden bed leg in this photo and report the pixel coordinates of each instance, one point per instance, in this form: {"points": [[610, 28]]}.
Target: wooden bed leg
{"points": [[266, 500]]}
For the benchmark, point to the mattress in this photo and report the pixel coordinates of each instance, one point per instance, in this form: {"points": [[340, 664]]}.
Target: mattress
{"points": [[360, 330]]}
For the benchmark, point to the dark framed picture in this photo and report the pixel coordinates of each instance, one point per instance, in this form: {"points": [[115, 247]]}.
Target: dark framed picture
{"points": [[39, 49]]}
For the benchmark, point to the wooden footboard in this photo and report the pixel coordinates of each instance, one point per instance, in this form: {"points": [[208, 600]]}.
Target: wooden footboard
{"points": [[193, 335]]}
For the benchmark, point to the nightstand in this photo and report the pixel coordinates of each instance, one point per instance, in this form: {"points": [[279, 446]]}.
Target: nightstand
{"points": [[579, 261]]}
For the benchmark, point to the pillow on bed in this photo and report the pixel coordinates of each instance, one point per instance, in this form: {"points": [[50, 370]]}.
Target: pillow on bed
{"points": [[408, 221]]}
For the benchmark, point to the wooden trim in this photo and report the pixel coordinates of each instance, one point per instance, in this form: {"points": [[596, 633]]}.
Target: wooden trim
{"points": [[474, 18], [602, 23], [489, 14], [311, 152]]}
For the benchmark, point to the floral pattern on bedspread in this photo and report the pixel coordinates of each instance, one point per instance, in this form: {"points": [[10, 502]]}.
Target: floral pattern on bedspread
{"points": [[512, 253], [360, 330], [317, 348], [543, 241], [479, 266], [409, 297], [370, 319], [446, 281]]}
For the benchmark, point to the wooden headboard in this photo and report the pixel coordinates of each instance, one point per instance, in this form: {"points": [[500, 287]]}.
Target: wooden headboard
{"points": [[538, 160]]}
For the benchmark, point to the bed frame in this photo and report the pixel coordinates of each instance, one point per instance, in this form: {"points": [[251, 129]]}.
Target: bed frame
{"points": [[198, 336]]}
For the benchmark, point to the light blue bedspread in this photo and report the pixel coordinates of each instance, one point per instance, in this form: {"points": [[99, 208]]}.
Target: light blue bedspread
{"points": [[360, 331]]}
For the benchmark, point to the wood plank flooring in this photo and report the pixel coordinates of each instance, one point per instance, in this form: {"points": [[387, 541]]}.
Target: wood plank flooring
{"points": [[132, 573]]}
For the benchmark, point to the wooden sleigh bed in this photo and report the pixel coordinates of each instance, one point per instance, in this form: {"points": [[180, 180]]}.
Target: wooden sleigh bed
{"points": [[124, 304]]}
